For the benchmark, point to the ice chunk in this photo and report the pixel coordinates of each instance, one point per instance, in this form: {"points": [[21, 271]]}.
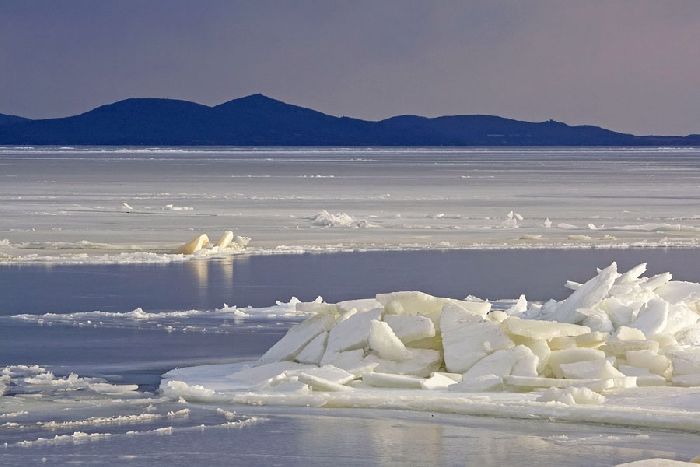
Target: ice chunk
{"points": [[353, 361], [538, 347], [520, 306], [686, 380], [298, 337], [656, 281], [467, 338], [386, 380], [590, 369], [252, 376], [327, 372], [559, 357], [571, 396], [314, 350], [643, 375], [652, 317], [479, 307], [631, 276], [456, 377], [626, 333], [350, 333], [620, 314], [689, 336], [680, 317], [685, 361], [597, 319], [284, 383], [483, 383], [241, 241], [328, 219], [411, 303], [317, 306], [180, 389], [597, 385], [421, 304], [360, 305], [423, 362], [316, 383], [678, 291], [540, 329], [618, 347], [586, 296], [385, 343], [410, 328], [194, 245], [652, 361], [225, 240], [502, 363], [113, 389], [437, 381], [591, 339]]}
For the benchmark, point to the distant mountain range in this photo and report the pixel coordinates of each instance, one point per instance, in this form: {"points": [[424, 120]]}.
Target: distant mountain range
{"points": [[258, 120]]}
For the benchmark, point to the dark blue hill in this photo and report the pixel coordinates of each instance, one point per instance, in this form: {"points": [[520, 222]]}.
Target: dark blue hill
{"points": [[258, 120]]}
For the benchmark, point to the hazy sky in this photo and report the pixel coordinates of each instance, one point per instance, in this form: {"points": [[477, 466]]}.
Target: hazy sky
{"points": [[630, 65]]}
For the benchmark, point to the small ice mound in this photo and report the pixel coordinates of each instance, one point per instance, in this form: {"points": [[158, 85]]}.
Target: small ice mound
{"points": [[194, 245], [241, 241], [225, 240], [340, 219], [180, 389], [547, 223], [33, 379], [171, 207], [580, 238], [327, 219], [513, 220]]}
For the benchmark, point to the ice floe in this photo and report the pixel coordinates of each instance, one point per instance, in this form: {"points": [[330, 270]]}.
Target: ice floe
{"points": [[86, 252], [614, 351], [220, 320]]}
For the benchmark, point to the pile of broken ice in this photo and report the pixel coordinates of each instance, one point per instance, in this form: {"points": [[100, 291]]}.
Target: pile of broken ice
{"points": [[615, 331]]}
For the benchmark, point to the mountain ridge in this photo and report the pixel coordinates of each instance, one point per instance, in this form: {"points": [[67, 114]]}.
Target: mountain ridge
{"points": [[258, 120]]}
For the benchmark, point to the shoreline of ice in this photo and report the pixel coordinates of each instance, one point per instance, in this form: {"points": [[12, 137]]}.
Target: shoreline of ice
{"points": [[159, 255]]}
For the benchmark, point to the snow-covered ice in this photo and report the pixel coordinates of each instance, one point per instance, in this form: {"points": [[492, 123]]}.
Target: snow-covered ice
{"points": [[155, 199]]}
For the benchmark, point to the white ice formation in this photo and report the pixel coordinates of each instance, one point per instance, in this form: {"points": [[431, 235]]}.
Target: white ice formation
{"points": [[580, 358], [228, 241]]}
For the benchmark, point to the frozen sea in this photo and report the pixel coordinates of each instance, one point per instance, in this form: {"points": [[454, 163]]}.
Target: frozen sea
{"points": [[114, 203], [340, 223], [140, 428]]}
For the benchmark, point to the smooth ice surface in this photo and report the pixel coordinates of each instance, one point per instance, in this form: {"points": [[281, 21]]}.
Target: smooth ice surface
{"points": [[153, 200]]}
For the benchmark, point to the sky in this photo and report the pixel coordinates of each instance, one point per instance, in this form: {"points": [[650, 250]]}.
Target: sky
{"points": [[628, 65]]}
